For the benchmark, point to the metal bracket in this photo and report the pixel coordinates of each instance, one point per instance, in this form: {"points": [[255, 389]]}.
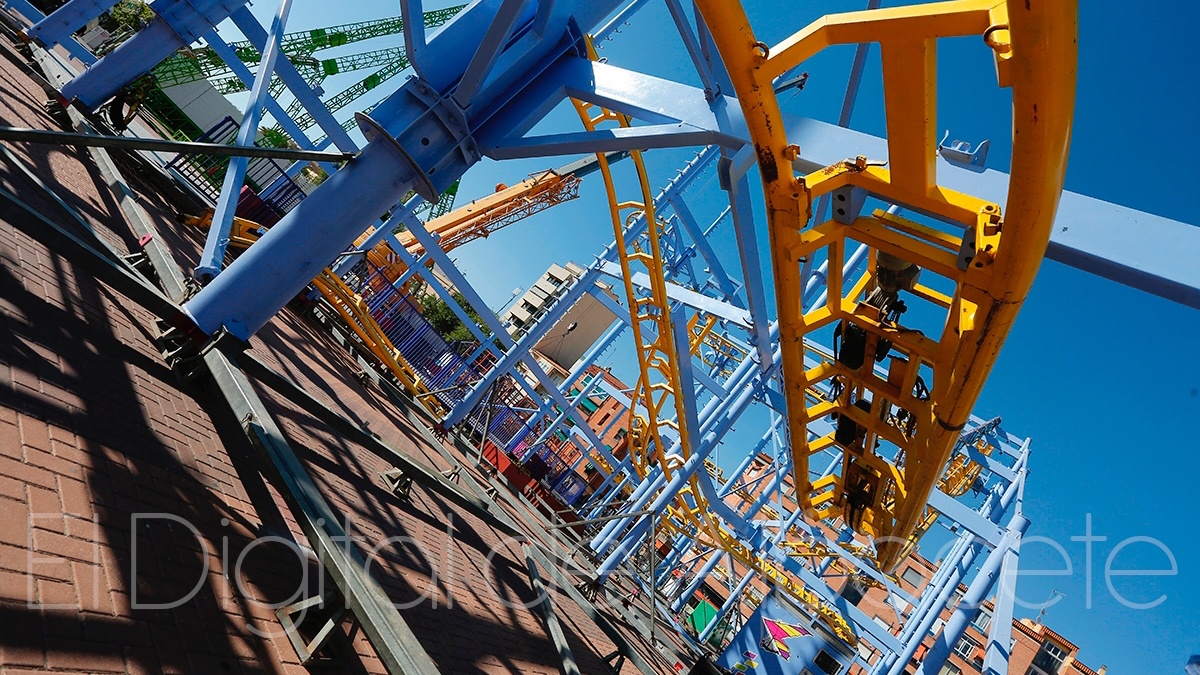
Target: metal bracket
{"points": [[960, 152], [848, 203], [396, 482], [615, 661], [316, 638], [966, 251]]}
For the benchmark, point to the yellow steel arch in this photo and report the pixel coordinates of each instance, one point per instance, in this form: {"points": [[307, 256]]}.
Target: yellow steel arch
{"points": [[1034, 44], [657, 394]]}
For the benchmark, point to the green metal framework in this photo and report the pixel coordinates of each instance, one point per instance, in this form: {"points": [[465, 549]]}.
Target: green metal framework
{"points": [[191, 65], [348, 95]]}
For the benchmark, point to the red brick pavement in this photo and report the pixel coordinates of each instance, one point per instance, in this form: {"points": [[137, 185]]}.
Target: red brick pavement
{"points": [[95, 429]]}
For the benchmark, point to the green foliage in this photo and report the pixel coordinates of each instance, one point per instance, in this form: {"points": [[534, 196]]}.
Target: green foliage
{"points": [[126, 15], [444, 321], [274, 138]]}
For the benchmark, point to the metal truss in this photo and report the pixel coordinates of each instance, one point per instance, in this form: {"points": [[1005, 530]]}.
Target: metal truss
{"points": [[870, 442]]}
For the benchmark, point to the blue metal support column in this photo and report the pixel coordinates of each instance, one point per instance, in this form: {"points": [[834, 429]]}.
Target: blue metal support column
{"points": [[212, 259], [414, 33], [178, 24], [973, 599], [692, 45], [701, 576], [999, 643], [34, 15], [952, 571], [716, 419], [58, 26], [417, 139], [735, 184], [700, 240]]}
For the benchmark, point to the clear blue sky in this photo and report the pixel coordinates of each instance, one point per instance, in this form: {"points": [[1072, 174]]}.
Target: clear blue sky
{"points": [[1105, 379]]}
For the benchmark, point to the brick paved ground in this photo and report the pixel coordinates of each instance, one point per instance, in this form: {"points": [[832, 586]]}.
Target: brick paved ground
{"points": [[95, 429]]}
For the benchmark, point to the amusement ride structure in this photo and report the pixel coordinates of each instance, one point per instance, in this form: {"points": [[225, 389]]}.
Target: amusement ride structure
{"points": [[866, 352]]}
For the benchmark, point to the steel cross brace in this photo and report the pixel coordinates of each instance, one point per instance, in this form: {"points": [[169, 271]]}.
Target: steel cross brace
{"points": [[212, 258]]}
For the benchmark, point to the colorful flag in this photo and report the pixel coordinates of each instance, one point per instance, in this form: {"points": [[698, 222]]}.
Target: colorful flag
{"points": [[774, 634]]}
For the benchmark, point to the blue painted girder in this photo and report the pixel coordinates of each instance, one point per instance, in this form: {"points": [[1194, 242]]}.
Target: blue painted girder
{"points": [[1137, 249]]}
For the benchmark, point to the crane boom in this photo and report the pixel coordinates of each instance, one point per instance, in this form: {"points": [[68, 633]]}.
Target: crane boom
{"points": [[483, 216]]}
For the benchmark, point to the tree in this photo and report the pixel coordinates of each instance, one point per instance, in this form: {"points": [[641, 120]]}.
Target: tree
{"points": [[445, 321], [127, 15]]}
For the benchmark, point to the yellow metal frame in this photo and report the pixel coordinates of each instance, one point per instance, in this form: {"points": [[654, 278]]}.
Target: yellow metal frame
{"points": [[1034, 45], [656, 394]]}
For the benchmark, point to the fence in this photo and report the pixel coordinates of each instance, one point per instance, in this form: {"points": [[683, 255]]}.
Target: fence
{"points": [[264, 176]]}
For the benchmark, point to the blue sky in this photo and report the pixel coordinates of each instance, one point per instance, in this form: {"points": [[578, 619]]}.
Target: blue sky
{"points": [[1105, 379]]}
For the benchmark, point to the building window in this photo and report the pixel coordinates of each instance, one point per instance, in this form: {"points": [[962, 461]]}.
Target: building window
{"points": [[1049, 658], [950, 669], [966, 647], [865, 652], [954, 598], [912, 577], [983, 619], [853, 591], [827, 663]]}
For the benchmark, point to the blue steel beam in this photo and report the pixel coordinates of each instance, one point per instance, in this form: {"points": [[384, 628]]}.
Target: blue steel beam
{"points": [[685, 177], [178, 23], [246, 22], [972, 600], [213, 256], [733, 314], [737, 187], [1089, 234], [488, 51], [418, 139], [700, 241], [648, 333], [35, 15], [692, 45], [62, 22], [999, 642], [953, 570]]}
